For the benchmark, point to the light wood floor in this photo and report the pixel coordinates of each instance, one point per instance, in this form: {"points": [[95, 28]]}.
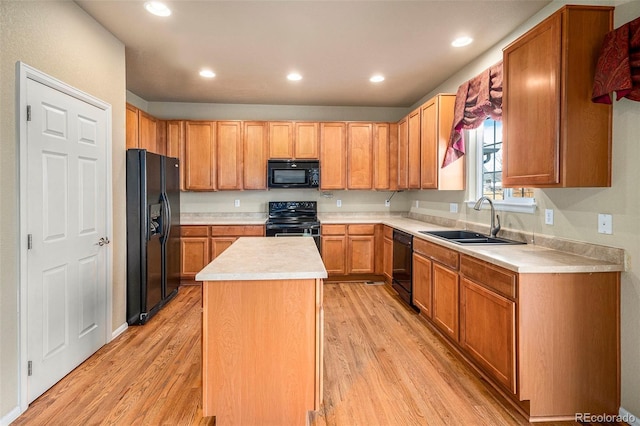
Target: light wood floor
{"points": [[382, 367]]}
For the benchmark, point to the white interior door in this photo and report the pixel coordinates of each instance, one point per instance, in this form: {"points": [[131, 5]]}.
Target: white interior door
{"points": [[66, 217]]}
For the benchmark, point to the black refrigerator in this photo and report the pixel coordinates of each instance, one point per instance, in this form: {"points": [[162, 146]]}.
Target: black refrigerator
{"points": [[153, 233]]}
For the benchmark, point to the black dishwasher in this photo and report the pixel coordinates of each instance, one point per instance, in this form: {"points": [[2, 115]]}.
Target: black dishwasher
{"points": [[402, 265]]}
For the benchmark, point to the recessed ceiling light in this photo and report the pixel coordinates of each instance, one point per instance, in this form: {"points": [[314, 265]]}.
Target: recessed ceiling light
{"points": [[377, 78], [157, 8], [294, 76], [462, 41], [207, 73]]}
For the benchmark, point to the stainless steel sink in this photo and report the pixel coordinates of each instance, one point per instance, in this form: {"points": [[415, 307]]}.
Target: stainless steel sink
{"points": [[469, 238]]}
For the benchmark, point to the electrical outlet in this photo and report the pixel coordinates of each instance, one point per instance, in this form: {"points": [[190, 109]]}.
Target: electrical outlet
{"points": [[605, 224], [548, 216], [417, 204], [387, 203], [339, 203], [453, 207], [237, 203]]}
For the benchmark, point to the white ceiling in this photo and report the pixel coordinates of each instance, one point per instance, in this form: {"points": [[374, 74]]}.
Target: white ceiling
{"points": [[335, 45]]}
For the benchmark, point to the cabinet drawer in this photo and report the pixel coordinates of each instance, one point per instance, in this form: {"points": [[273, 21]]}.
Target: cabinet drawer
{"points": [[194, 231], [334, 229], [363, 229], [441, 254], [498, 279], [237, 230], [387, 232]]}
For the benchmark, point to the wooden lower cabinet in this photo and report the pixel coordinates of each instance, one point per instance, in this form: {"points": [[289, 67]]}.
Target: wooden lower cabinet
{"points": [[387, 253], [350, 249], [487, 331], [446, 300], [202, 243], [550, 342], [422, 285]]}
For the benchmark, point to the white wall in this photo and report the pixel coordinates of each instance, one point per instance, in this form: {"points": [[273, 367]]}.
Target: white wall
{"points": [[59, 39], [576, 210]]}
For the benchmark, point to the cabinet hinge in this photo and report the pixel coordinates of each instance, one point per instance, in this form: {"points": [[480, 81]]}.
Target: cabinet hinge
{"points": [[29, 368], [29, 241], [28, 112]]}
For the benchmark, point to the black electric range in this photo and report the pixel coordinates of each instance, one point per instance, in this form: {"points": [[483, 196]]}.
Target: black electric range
{"points": [[293, 218]]}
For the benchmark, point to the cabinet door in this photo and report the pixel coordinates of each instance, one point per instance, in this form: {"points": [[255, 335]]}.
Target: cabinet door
{"points": [[220, 244], [306, 137], [429, 145], [334, 254], [531, 144], [280, 139], [333, 167], [132, 127], [403, 154], [445, 300], [487, 331], [194, 256], [361, 254], [200, 155], [387, 260], [175, 145], [414, 150], [255, 155], [148, 132], [422, 284], [381, 150], [229, 164], [359, 156]]}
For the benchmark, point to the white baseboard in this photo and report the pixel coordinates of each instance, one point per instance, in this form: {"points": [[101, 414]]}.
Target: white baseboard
{"points": [[628, 417], [118, 331], [10, 416]]}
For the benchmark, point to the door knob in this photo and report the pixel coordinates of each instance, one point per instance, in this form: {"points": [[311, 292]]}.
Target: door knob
{"points": [[103, 241]]}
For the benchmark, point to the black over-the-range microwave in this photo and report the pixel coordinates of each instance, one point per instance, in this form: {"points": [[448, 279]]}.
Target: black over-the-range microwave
{"points": [[293, 173]]}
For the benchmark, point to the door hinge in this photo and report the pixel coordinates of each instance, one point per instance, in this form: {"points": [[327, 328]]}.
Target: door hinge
{"points": [[29, 368], [28, 112], [29, 241]]}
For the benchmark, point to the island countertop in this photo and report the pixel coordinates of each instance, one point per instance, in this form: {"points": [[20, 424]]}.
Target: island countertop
{"points": [[266, 258]]}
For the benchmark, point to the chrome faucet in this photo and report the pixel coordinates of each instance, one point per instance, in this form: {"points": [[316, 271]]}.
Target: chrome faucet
{"points": [[494, 229]]}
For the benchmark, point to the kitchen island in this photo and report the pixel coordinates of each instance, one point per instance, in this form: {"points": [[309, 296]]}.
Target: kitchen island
{"points": [[262, 332]]}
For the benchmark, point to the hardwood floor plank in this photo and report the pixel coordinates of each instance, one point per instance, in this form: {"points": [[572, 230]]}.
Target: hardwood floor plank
{"points": [[383, 366]]}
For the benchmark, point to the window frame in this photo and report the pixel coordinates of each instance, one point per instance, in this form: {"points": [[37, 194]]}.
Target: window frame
{"points": [[475, 138]]}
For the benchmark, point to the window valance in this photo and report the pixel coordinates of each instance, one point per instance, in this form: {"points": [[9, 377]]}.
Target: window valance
{"points": [[476, 99]]}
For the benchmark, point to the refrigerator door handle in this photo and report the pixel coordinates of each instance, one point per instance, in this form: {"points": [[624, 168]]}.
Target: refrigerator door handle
{"points": [[167, 217]]}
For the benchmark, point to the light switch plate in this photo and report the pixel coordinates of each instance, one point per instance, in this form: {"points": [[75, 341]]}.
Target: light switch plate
{"points": [[339, 203], [237, 203], [453, 207], [548, 216], [605, 224]]}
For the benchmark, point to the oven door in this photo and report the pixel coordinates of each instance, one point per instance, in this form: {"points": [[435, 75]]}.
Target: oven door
{"points": [[294, 231]]}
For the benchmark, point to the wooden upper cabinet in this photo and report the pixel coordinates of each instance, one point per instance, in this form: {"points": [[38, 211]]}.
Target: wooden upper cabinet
{"points": [[280, 139], [436, 122], [414, 149], [200, 155], [306, 138], [229, 158], [333, 167], [255, 145], [381, 151], [553, 135], [175, 144], [132, 127], [359, 156], [403, 153], [147, 126]]}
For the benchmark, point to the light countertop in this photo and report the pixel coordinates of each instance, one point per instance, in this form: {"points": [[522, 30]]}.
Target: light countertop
{"points": [[529, 258], [263, 258]]}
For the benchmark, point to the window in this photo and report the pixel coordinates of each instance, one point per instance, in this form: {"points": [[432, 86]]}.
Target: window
{"points": [[489, 171]]}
